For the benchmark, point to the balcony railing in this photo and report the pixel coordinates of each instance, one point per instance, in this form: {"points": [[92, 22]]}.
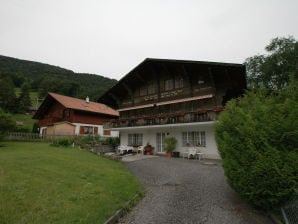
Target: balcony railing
{"points": [[165, 118]]}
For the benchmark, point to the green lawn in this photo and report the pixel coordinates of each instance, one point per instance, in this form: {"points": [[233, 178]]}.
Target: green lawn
{"points": [[44, 184]]}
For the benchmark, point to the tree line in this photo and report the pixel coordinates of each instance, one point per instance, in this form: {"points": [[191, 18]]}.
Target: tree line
{"points": [[43, 78]]}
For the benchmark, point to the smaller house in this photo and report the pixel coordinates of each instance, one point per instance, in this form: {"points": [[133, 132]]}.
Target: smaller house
{"points": [[64, 115]]}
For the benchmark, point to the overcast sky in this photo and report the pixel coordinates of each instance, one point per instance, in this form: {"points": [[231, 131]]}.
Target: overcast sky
{"points": [[110, 37]]}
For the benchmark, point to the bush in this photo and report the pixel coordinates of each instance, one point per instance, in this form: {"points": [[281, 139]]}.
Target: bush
{"points": [[258, 141], [6, 123], [111, 141], [63, 142], [170, 144]]}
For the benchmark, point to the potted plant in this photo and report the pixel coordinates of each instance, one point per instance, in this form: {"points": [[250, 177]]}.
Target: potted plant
{"points": [[170, 145], [148, 149]]}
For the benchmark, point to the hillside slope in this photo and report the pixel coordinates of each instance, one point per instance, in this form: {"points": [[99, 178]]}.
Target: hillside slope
{"points": [[44, 78]]}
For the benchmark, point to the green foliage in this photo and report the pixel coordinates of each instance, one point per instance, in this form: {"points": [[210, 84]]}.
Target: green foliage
{"points": [[6, 123], [111, 141], [170, 144], [7, 95], [44, 78], [35, 127], [43, 184], [273, 70], [25, 119], [24, 100], [63, 142], [257, 137]]}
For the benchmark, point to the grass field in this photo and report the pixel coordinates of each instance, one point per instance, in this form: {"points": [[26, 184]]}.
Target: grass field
{"points": [[44, 184]]}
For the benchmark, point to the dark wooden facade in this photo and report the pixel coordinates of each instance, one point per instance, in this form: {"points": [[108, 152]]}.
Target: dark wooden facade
{"points": [[162, 91]]}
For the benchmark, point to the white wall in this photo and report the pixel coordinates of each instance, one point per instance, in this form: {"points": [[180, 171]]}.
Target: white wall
{"points": [[149, 135]]}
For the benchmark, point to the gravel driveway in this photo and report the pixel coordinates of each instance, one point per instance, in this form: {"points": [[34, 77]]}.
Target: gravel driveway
{"points": [[187, 191]]}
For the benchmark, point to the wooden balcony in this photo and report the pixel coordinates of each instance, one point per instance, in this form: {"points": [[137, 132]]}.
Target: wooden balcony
{"points": [[165, 118]]}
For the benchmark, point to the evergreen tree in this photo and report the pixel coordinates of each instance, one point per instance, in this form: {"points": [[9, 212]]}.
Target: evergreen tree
{"points": [[7, 95], [24, 101], [6, 123]]}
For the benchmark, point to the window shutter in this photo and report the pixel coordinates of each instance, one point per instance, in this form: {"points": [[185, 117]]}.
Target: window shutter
{"points": [[107, 132], [95, 130]]}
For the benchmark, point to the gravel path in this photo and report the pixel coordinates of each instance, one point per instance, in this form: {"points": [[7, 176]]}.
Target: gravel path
{"points": [[187, 191]]}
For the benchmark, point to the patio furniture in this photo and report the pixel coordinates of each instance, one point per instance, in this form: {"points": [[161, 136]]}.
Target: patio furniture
{"points": [[124, 149], [199, 154], [140, 149], [190, 153]]}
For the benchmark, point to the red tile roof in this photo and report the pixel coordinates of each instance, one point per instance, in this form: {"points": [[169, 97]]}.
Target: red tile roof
{"points": [[79, 104]]}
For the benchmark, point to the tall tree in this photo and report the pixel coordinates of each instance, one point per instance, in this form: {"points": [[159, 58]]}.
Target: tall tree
{"points": [[273, 70], [24, 101], [7, 95]]}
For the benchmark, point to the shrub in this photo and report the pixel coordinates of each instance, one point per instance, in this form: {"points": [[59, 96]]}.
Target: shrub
{"points": [[63, 142], [170, 144], [257, 138], [6, 123]]}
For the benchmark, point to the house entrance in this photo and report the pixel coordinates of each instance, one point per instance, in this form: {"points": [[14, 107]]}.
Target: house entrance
{"points": [[160, 142]]}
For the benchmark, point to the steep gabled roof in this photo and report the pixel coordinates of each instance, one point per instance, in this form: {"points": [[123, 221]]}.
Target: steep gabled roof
{"points": [[75, 104], [135, 76]]}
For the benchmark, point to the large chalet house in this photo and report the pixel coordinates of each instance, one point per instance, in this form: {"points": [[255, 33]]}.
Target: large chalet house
{"points": [[64, 115], [161, 98]]}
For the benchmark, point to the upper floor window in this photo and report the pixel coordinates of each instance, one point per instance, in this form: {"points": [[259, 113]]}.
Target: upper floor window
{"points": [[201, 80], [143, 91], [151, 89], [169, 85], [178, 83]]}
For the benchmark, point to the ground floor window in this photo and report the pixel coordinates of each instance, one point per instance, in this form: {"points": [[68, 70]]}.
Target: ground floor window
{"points": [[135, 139], [88, 130], [194, 138]]}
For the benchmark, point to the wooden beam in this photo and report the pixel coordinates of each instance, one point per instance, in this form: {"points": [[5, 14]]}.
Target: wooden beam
{"points": [[211, 76], [185, 73]]}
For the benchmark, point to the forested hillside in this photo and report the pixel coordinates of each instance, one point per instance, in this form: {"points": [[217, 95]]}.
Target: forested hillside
{"points": [[43, 78]]}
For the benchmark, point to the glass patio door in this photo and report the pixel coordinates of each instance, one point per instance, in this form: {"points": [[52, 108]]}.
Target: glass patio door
{"points": [[160, 141]]}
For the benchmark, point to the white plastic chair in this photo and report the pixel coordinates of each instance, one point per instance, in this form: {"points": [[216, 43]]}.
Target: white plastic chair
{"points": [[122, 149], [140, 150], [191, 152], [199, 154]]}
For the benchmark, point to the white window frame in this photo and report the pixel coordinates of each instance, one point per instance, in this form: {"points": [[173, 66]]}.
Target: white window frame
{"points": [[135, 139], [194, 138]]}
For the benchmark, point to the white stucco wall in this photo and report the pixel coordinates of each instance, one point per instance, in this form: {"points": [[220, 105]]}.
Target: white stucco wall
{"points": [[149, 135]]}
